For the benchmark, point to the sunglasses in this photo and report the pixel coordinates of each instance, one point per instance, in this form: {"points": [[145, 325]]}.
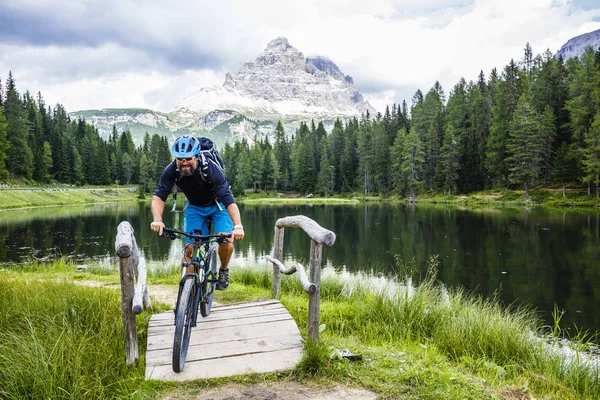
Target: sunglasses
{"points": [[185, 159]]}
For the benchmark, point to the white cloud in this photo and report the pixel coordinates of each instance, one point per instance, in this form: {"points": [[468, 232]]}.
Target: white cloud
{"points": [[132, 54]]}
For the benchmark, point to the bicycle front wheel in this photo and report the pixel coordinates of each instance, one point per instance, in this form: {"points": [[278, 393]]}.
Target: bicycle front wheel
{"points": [[183, 324], [209, 283]]}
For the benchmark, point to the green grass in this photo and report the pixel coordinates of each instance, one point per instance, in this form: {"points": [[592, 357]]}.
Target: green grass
{"points": [[38, 197], [61, 340]]}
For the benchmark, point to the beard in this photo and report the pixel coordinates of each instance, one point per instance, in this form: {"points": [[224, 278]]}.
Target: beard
{"points": [[189, 172]]}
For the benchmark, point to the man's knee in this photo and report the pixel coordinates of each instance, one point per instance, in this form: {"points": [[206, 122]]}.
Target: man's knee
{"points": [[189, 248]]}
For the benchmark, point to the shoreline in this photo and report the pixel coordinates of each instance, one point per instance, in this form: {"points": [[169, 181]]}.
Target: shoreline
{"points": [[34, 197]]}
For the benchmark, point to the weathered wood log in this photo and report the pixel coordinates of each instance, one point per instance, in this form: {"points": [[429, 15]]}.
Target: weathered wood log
{"points": [[124, 242], [306, 284], [277, 255], [312, 229], [131, 345], [141, 290], [320, 236], [314, 299]]}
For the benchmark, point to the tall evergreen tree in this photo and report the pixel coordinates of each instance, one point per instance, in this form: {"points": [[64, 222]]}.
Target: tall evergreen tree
{"points": [[3, 145], [281, 150], [548, 136], [505, 101], [336, 143], [567, 165], [413, 160], [525, 145], [584, 101], [591, 161], [302, 160], [325, 178], [397, 177], [472, 175], [19, 157]]}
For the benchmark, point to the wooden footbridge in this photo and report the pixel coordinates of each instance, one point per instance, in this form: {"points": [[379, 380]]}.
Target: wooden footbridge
{"points": [[255, 337], [232, 340]]}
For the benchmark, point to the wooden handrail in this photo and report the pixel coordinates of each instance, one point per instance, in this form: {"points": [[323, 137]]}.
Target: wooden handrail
{"points": [[320, 236], [133, 299], [308, 286]]}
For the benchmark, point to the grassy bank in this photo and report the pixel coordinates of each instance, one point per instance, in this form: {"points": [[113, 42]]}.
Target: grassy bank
{"points": [[40, 197], [575, 196], [547, 196], [64, 341]]}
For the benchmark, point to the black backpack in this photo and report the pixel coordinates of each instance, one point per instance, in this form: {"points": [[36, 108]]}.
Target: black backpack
{"points": [[209, 154]]}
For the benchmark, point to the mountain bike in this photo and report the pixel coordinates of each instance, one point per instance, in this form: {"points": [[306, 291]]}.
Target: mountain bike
{"points": [[195, 288]]}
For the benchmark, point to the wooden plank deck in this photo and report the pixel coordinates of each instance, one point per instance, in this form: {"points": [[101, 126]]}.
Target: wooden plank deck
{"points": [[244, 338]]}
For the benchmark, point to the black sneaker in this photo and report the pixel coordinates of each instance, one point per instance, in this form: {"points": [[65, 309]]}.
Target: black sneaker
{"points": [[223, 282]]}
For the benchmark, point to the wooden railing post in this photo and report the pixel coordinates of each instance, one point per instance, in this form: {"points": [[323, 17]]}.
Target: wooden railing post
{"points": [[320, 237], [314, 299], [127, 292], [277, 255], [133, 299]]}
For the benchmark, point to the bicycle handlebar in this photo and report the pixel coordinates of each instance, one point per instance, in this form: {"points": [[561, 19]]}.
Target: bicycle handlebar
{"points": [[173, 234]]}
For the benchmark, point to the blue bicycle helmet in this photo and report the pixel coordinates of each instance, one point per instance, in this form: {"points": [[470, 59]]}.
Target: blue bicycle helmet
{"points": [[185, 146]]}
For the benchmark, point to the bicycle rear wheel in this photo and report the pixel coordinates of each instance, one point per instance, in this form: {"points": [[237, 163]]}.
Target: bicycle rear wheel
{"points": [[183, 324], [209, 283]]}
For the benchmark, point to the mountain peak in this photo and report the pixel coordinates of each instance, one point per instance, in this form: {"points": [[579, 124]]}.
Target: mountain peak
{"points": [[576, 46], [280, 43], [281, 84]]}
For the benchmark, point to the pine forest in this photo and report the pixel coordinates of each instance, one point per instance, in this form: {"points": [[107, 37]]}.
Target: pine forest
{"points": [[534, 123]]}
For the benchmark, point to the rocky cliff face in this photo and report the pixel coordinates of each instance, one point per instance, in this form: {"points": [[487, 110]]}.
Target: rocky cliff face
{"points": [[577, 45], [280, 84]]}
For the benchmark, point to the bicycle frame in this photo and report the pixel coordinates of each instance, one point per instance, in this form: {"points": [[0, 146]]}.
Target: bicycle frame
{"points": [[198, 260], [201, 245]]}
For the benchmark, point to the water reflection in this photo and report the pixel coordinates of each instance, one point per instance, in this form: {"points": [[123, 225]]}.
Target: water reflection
{"points": [[537, 257]]}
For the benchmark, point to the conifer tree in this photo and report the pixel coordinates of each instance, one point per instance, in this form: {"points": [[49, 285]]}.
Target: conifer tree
{"points": [[126, 168], [46, 163], [460, 144], [366, 155], [243, 177], [397, 178], [591, 161], [584, 89], [413, 159], [349, 161], [145, 170], [19, 157], [302, 161], [448, 166], [548, 136], [336, 143], [3, 145], [325, 178], [567, 165], [507, 93], [77, 175], [525, 145], [472, 175], [281, 150]]}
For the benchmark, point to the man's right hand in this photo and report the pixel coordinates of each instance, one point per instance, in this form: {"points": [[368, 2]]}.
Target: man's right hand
{"points": [[157, 226]]}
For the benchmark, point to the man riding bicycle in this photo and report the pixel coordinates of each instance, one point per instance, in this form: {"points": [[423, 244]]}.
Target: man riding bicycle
{"points": [[207, 198]]}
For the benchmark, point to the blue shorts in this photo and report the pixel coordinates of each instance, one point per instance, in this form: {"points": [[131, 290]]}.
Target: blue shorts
{"points": [[194, 217]]}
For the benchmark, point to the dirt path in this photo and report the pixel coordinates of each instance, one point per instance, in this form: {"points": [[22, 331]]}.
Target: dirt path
{"points": [[277, 391]]}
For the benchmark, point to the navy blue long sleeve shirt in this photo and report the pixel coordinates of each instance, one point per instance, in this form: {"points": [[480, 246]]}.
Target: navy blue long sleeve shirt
{"points": [[196, 189]]}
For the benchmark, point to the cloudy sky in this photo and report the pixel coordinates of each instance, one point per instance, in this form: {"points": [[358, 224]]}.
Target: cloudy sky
{"points": [[149, 53]]}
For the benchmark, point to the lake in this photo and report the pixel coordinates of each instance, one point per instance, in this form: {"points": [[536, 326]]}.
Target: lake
{"points": [[537, 257]]}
